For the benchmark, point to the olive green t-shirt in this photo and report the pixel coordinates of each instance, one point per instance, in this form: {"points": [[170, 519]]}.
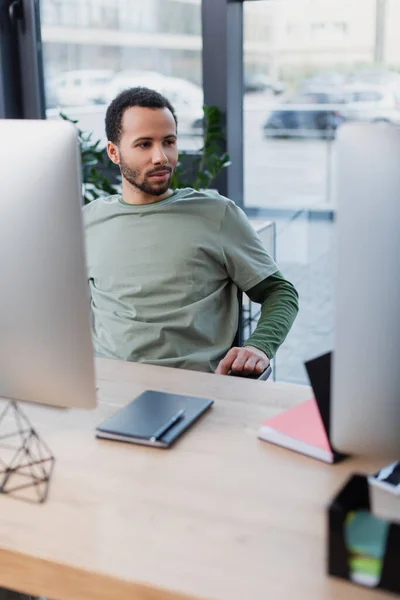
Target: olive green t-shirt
{"points": [[163, 277]]}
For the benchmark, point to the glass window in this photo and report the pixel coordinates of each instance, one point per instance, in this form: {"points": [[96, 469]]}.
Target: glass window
{"points": [[321, 60], [93, 49]]}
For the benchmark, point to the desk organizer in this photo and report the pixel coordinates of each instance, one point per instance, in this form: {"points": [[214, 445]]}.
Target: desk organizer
{"points": [[356, 563]]}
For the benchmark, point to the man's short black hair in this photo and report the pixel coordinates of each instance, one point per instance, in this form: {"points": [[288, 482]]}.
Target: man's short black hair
{"points": [[137, 96]]}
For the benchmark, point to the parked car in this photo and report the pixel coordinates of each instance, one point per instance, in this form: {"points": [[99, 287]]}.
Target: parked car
{"points": [[82, 87], [314, 113], [131, 78], [371, 103], [257, 82], [374, 77], [185, 96], [325, 79]]}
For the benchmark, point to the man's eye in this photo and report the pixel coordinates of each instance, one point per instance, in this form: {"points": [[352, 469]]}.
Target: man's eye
{"points": [[144, 145], [170, 142]]}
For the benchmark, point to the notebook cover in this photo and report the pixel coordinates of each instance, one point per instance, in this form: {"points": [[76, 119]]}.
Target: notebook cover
{"points": [[139, 420], [302, 424], [306, 427]]}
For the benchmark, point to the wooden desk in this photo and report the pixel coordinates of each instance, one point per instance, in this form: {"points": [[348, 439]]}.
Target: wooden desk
{"points": [[222, 515]]}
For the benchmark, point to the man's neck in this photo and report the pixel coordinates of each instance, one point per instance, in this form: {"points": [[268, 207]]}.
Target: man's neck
{"points": [[132, 195]]}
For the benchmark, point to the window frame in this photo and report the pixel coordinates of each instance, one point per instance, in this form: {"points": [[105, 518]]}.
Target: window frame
{"points": [[21, 64]]}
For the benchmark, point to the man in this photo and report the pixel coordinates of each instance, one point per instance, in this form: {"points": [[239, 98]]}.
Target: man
{"points": [[164, 265]]}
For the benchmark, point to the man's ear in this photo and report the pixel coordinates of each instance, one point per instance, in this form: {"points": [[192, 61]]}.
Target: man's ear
{"points": [[113, 153]]}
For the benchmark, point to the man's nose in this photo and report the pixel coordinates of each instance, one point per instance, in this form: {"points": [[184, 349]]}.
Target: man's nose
{"points": [[159, 156]]}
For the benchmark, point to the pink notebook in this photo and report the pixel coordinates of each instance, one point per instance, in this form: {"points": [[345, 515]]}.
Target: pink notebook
{"points": [[301, 429]]}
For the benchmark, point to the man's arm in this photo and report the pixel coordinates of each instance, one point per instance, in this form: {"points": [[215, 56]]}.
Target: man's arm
{"points": [[279, 307]]}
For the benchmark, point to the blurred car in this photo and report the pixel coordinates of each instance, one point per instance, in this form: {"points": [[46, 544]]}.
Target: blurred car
{"points": [[131, 78], [82, 87], [375, 77], [373, 103], [315, 113], [257, 82], [324, 79], [186, 97]]}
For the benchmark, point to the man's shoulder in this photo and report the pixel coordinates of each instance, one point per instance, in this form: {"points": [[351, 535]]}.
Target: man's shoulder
{"points": [[209, 197], [100, 203], [99, 207]]}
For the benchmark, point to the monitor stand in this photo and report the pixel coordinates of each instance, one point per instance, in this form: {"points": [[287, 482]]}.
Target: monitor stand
{"points": [[26, 462]]}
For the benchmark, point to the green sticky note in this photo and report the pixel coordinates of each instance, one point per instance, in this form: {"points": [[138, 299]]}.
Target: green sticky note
{"points": [[366, 534], [366, 539]]}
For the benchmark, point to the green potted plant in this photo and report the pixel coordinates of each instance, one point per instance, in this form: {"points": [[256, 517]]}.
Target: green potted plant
{"points": [[208, 161], [95, 165]]}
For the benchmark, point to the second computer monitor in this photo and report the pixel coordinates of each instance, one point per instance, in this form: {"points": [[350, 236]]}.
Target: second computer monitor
{"points": [[365, 412]]}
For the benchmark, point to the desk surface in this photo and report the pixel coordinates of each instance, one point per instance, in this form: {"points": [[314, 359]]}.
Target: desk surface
{"points": [[222, 515]]}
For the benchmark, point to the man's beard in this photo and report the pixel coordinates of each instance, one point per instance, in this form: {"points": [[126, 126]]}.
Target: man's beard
{"points": [[145, 186]]}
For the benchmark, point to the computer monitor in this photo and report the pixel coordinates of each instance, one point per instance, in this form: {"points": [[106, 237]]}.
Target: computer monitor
{"points": [[46, 351], [365, 408]]}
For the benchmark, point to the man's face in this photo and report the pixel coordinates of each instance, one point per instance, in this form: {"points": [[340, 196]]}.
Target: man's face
{"points": [[147, 152]]}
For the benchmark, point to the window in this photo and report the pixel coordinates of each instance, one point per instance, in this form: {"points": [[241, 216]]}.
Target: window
{"points": [[341, 27], [289, 138], [329, 30], [94, 49]]}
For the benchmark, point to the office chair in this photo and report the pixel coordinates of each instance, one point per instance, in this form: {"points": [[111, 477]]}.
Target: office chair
{"points": [[263, 377], [265, 374]]}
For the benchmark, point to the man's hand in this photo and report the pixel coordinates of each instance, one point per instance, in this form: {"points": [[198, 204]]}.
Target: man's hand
{"points": [[245, 361]]}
